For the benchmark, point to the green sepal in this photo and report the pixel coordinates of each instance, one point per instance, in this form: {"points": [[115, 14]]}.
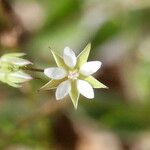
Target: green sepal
{"points": [[59, 60], [94, 82], [4, 79], [15, 85], [13, 55], [83, 56], [74, 94], [51, 84], [2, 76]]}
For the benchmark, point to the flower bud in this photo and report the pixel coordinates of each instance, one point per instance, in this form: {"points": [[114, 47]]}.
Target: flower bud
{"points": [[11, 71]]}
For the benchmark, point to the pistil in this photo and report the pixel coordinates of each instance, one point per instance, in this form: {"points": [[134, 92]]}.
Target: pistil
{"points": [[73, 75]]}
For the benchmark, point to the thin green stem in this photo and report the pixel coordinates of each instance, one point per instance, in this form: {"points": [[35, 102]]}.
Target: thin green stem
{"points": [[33, 69]]}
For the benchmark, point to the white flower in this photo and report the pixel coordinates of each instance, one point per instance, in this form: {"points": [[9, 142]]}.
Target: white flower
{"points": [[14, 59], [11, 69], [15, 79], [73, 75]]}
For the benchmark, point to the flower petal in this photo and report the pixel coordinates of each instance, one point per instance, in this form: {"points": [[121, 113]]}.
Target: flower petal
{"points": [[55, 73], [90, 67], [85, 89], [18, 77], [74, 93], [69, 57], [95, 83], [63, 89], [17, 61]]}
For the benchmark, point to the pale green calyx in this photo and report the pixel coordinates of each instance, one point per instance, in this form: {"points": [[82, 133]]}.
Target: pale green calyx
{"points": [[10, 69], [73, 75]]}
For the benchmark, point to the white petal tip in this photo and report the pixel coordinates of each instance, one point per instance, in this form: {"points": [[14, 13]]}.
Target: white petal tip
{"points": [[58, 98], [30, 63], [91, 97], [75, 107], [85, 89], [106, 87], [67, 48], [55, 73], [69, 57], [22, 62], [30, 78], [91, 67], [63, 90]]}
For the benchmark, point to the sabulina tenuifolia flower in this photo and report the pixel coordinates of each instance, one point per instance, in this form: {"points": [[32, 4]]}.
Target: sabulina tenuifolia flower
{"points": [[73, 75], [11, 69]]}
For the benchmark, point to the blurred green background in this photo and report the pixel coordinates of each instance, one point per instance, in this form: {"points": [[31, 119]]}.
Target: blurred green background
{"points": [[118, 118]]}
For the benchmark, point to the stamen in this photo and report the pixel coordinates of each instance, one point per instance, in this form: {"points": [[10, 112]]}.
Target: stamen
{"points": [[73, 75]]}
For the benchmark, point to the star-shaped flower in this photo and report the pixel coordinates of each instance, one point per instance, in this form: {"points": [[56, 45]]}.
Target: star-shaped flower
{"points": [[73, 75]]}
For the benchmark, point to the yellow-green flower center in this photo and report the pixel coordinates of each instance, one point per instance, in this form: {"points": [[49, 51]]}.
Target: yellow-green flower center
{"points": [[73, 75]]}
